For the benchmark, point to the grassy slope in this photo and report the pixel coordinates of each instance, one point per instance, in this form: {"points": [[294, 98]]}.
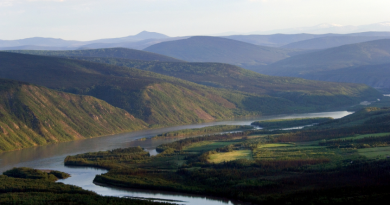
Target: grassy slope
{"points": [[215, 49], [105, 52], [227, 76], [372, 52], [32, 115]]}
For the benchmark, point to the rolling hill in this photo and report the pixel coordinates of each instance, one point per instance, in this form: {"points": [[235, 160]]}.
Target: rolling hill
{"points": [[222, 50], [32, 115], [296, 90], [105, 53], [367, 53]]}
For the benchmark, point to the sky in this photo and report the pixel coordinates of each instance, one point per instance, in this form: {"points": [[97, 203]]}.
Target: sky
{"points": [[96, 19]]}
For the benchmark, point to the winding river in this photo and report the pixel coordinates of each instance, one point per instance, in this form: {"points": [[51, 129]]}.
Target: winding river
{"points": [[52, 157]]}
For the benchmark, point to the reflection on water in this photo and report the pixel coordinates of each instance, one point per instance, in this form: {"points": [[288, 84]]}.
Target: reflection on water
{"points": [[52, 156]]}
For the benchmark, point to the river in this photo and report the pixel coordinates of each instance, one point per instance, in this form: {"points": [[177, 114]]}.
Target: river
{"points": [[52, 157]]}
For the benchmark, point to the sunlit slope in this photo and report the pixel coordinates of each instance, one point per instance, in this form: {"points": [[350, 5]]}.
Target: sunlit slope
{"points": [[222, 50], [299, 91], [32, 115], [367, 53], [105, 52]]}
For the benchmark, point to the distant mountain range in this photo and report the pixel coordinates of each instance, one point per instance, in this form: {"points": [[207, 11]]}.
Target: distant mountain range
{"points": [[146, 39], [331, 28], [316, 41], [332, 41], [60, 44]]}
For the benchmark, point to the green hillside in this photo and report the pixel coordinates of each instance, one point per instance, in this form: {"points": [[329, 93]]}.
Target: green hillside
{"points": [[367, 53], [32, 116], [105, 53], [222, 50], [299, 91]]}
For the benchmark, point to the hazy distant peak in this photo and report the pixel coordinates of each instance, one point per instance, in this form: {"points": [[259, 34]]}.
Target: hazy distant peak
{"points": [[328, 25], [386, 23], [332, 28], [150, 35]]}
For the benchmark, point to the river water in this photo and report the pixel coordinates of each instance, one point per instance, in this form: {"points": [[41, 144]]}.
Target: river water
{"points": [[52, 157]]}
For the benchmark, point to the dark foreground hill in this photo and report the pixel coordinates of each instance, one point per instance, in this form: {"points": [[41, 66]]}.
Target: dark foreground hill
{"points": [[32, 115], [222, 50], [367, 53], [105, 53], [296, 90]]}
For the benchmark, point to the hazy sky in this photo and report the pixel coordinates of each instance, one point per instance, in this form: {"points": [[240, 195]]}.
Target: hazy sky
{"points": [[94, 19]]}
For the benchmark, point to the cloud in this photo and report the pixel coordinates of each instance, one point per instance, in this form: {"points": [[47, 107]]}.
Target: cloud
{"points": [[4, 3]]}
